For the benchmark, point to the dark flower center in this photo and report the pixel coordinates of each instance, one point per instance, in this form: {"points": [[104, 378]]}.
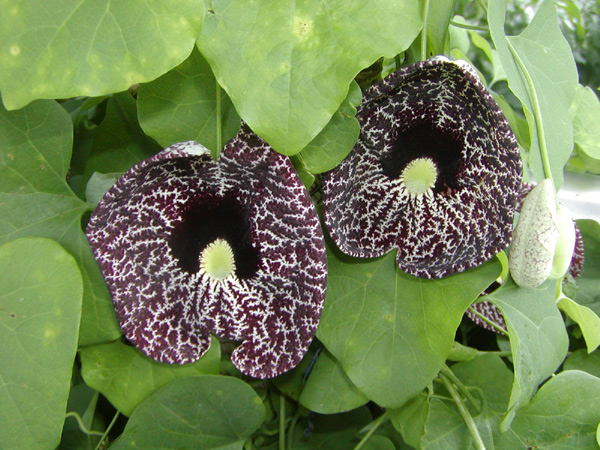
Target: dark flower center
{"points": [[206, 220], [426, 141]]}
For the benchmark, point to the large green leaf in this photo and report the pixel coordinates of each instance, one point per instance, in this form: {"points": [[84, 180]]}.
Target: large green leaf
{"points": [[40, 309], [328, 389], [182, 106], [120, 142], [538, 338], [203, 412], [541, 72], [338, 137], [563, 415], [287, 65], [392, 331], [35, 200], [585, 114], [68, 48], [126, 377]]}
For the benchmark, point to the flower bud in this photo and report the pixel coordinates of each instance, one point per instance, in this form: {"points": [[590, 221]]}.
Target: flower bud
{"points": [[534, 239]]}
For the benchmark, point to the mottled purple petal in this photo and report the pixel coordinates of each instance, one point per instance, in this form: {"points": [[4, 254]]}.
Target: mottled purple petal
{"points": [[150, 229], [439, 110]]}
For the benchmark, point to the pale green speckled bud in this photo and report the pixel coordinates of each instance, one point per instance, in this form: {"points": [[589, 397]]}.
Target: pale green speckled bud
{"points": [[534, 239]]}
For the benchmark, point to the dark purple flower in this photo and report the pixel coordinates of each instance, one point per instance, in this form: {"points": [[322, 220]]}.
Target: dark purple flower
{"points": [[435, 173], [191, 247]]}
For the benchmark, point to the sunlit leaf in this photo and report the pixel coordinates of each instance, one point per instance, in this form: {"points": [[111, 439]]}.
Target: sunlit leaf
{"points": [[126, 377], [541, 72], [585, 113], [588, 321], [538, 338], [182, 106], [385, 326], [287, 66], [35, 200], [40, 309], [90, 47], [203, 412]]}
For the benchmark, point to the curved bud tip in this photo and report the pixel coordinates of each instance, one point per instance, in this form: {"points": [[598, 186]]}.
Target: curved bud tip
{"points": [[565, 245]]}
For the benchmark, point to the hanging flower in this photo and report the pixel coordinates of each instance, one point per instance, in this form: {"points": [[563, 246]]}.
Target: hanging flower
{"points": [[435, 173], [489, 310], [191, 247]]}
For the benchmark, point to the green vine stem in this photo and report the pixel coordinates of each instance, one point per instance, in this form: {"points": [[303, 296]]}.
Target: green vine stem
{"points": [[424, 31], [281, 422], [464, 412], [82, 426], [467, 26], [372, 428], [537, 113], [219, 118], [295, 418], [445, 370], [110, 425]]}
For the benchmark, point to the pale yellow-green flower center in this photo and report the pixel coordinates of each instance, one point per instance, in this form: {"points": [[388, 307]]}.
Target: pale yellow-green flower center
{"points": [[217, 260], [419, 177]]}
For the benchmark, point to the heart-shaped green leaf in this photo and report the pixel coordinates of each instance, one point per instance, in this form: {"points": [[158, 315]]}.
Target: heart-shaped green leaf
{"points": [[40, 309], [90, 47], [204, 412], [126, 377], [182, 106], [35, 200], [392, 331], [287, 66]]}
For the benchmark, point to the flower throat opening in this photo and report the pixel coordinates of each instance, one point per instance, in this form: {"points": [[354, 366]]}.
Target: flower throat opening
{"points": [[419, 144], [213, 235]]}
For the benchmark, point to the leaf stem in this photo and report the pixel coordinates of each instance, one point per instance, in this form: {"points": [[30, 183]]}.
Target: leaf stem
{"points": [[110, 425], [424, 31], [468, 27], [464, 412], [373, 427], [537, 113], [82, 426], [398, 62], [292, 427], [488, 321], [445, 370], [219, 118], [482, 5], [281, 422]]}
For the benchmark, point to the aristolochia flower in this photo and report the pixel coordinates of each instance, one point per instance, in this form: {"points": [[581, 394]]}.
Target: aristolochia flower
{"points": [[435, 173], [189, 247]]}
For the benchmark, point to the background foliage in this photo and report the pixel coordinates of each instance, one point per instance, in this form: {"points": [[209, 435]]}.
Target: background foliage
{"points": [[89, 88]]}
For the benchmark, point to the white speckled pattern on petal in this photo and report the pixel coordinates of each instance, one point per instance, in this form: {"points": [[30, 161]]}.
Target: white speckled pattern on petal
{"points": [[150, 228], [440, 110]]}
